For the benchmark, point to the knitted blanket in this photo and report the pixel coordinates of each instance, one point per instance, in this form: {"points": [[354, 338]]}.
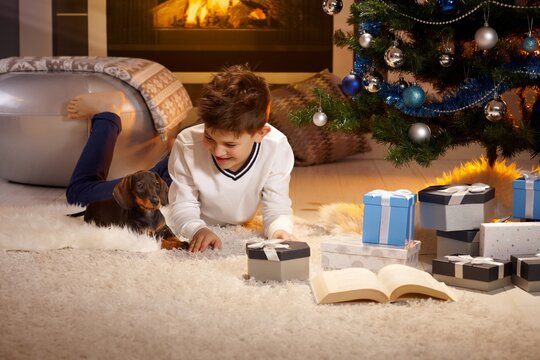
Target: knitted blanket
{"points": [[165, 96]]}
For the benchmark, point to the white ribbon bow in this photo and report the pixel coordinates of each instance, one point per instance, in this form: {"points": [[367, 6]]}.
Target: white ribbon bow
{"points": [[519, 260], [459, 191], [530, 178], [269, 247], [385, 211], [461, 260]]}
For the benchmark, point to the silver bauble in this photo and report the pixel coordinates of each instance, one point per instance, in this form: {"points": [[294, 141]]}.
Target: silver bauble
{"points": [[332, 7], [446, 60], [365, 40], [495, 110], [486, 37], [320, 118], [394, 57], [372, 82], [419, 132], [402, 83]]}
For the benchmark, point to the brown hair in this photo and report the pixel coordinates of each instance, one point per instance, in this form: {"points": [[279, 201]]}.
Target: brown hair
{"points": [[235, 100]]}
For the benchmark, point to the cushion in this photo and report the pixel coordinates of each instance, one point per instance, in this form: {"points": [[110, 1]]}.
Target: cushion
{"points": [[312, 144]]}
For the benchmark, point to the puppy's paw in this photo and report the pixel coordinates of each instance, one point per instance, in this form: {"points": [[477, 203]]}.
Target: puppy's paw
{"points": [[170, 244]]}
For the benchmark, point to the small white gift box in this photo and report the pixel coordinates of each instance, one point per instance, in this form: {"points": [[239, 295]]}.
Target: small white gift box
{"points": [[456, 208], [347, 251]]}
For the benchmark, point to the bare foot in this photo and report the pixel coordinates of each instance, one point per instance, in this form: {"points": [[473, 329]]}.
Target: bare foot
{"points": [[85, 105]]}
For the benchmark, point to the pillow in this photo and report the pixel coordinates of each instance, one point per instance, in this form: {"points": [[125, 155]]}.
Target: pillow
{"points": [[312, 144]]}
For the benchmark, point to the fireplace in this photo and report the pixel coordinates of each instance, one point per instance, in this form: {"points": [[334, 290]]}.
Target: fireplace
{"points": [[205, 35]]}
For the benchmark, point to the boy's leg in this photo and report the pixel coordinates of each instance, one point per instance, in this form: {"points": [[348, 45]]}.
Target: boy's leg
{"points": [[88, 182], [161, 168]]}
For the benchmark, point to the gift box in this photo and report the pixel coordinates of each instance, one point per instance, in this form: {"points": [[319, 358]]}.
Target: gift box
{"points": [[456, 208], [501, 240], [388, 217], [527, 196], [278, 260], [343, 252], [464, 242], [526, 271], [478, 273]]}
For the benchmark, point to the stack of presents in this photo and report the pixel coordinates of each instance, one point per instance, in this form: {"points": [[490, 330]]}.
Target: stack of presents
{"points": [[474, 250]]}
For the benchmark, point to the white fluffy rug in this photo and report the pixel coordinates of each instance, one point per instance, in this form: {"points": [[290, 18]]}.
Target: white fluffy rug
{"points": [[83, 301]]}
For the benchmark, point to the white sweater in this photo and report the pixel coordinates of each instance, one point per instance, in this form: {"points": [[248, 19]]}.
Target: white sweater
{"points": [[201, 193]]}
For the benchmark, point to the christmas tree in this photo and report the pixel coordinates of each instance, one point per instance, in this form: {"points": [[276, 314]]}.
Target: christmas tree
{"points": [[429, 76]]}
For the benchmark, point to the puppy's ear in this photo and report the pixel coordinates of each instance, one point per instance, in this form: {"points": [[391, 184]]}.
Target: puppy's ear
{"points": [[163, 191], [122, 193]]}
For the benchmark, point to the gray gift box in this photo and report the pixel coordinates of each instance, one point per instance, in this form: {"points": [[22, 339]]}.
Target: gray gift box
{"points": [[456, 207], [526, 271], [464, 242], [278, 260]]}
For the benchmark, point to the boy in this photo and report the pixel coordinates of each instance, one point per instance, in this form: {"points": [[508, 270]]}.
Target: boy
{"points": [[218, 171]]}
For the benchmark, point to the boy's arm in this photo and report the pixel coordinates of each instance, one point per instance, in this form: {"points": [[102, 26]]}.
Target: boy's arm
{"points": [[183, 194], [277, 205]]}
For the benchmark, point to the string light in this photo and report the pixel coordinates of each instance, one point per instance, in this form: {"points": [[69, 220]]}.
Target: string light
{"points": [[473, 10]]}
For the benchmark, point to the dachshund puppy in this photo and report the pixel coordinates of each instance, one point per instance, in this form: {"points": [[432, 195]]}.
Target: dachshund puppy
{"points": [[137, 200]]}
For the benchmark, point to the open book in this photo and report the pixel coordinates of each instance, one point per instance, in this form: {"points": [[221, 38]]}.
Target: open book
{"points": [[393, 281]]}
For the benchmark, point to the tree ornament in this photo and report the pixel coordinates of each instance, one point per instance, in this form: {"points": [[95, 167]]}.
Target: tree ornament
{"points": [[365, 40], [372, 82], [391, 99], [495, 109], [332, 7], [486, 37], [446, 60], [394, 57], [419, 132], [414, 96], [351, 84], [320, 118], [536, 110], [402, 83], [447, 6], [530, 44]]}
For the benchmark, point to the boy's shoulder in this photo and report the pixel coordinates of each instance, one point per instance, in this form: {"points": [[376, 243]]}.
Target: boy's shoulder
{"points": [[274, 135], [191, 135]]}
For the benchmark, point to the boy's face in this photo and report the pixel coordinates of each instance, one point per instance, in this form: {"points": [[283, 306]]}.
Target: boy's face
{"points": [[229, 149]]}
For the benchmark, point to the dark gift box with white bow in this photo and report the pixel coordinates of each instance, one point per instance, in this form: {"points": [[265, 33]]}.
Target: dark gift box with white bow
{"points": [[527, 196], [278, 260], [526, 273], [456, 207], [478, 273]]}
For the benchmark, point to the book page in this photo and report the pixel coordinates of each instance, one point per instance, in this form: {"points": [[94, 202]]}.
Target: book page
{"points": [[347, 285], [401, 280]]}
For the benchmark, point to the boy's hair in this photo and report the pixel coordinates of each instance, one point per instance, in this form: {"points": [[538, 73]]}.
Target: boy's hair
{"points": [[235, 100]]}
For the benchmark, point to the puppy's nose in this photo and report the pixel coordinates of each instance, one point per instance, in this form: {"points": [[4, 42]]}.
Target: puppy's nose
{"points": [[154, 200]]}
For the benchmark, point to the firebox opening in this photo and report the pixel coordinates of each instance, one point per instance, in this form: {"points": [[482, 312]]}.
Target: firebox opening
{"points": [[205, 35]]}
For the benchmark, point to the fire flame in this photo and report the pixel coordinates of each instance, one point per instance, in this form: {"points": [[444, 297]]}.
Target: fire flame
{"points": [[198, 9]]}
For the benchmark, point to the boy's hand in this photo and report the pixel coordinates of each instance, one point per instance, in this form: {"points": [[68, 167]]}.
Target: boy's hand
{"points": [[203, 239], [283, 235]]}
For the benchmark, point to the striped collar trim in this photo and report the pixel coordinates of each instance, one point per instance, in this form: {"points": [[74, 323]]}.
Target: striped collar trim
{"points": [[235, 175]]}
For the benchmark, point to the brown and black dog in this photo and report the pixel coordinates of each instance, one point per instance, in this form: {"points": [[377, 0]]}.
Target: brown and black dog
{"points": [[136, 203]]}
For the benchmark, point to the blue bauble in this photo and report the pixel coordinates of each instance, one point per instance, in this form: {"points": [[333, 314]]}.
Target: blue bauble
{"points": [[351, 84], [530, 44], [414, 96], [536, 110], [447, 6]]}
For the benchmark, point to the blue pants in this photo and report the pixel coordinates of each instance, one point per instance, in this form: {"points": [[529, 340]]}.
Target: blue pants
{"points": [[89, 182]]}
